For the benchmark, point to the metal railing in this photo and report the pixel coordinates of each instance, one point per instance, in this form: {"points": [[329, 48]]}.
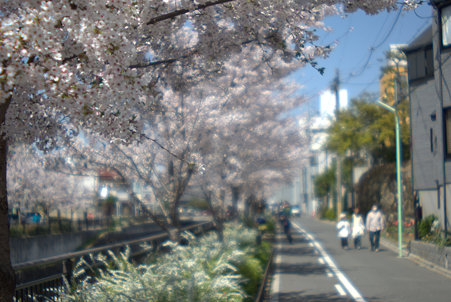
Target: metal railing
{"points": [[50, 288]]}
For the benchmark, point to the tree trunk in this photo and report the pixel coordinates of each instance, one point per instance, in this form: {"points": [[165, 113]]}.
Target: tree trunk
{"points": [[235, 198], [7, 276], [247, 206], [218, 218]]}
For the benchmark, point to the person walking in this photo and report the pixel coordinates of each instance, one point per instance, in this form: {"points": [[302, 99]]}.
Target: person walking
{"points": [[286, 227], [344, 230], [358, 228], [374, 225]]}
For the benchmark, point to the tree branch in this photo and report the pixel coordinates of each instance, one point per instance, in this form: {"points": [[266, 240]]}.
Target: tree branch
{"points": [[184, 11], [162, 147], [161, 62], [173, 60]]}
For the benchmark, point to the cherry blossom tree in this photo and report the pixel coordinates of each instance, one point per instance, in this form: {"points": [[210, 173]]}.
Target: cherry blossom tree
{"points": [[191, 121], [98, 64], [32, 185]]}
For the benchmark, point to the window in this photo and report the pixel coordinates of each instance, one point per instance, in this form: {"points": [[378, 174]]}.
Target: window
{"points": [[313, 161], [448, 132], [446, 26], [421, 64], [431, 140], [429, 71]]}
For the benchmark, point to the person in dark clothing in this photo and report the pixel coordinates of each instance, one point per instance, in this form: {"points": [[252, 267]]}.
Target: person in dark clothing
{"points": [[286, 227]]}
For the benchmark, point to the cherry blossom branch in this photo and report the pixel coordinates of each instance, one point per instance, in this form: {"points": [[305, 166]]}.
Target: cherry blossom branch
{"points": [[136, 168], [180, 12], [163, 147], [161, 62], [192, 53]]}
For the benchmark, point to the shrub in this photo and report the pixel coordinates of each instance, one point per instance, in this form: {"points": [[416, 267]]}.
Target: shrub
{"points": [[326, 213], [203, 270], [16, 231], [263, 252], [270, 225], [252, 271], [248, 222], [425, 226]]}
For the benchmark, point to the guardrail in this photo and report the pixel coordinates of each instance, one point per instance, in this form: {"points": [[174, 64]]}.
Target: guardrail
{"points": [[50, 287]]}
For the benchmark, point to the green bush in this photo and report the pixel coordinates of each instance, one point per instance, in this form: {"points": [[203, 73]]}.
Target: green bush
{"points": [[252, 272], [248, 222], [16, 231], [425, 226], [326, 213], [263, 252], [203, 270], [198, 203], [270, 225], [429, 230]]}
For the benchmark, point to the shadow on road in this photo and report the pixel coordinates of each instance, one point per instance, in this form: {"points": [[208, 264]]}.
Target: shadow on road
{"points": [[301, 296], [296, 251], [301, 269]]}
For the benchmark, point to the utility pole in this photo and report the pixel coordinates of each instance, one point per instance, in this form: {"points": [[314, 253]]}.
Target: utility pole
{"points": [[336, 88], [398, 172]]}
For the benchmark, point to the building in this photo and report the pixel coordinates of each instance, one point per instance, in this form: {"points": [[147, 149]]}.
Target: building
{"points": [[328, 101], [429, 74], [112, 185], [394, 76], [320, 159]]}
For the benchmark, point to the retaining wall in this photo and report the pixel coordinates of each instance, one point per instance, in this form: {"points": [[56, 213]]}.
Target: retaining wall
{"points": [[435, 254], [43, 246]]}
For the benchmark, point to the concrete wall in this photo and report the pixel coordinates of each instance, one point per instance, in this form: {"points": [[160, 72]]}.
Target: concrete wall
{"points": [[129, 233], [427, 159], [38, 247], [437, 255]]}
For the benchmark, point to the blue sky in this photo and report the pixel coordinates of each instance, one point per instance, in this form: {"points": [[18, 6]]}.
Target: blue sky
{"points": [[362, 42]]}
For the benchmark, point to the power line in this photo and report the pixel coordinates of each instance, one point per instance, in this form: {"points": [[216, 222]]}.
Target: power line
{"points": [[391, 29], [421, 17], [374, 48]]}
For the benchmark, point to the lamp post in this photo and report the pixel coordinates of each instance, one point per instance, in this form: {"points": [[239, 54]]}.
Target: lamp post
{"points": [[398, 172]]}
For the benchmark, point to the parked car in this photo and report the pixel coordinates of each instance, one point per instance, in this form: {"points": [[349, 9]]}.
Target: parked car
{"points": [[296, 211]]}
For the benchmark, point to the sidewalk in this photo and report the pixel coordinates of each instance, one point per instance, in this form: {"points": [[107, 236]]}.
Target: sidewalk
{"points": [[315, 268], [415, 258]]}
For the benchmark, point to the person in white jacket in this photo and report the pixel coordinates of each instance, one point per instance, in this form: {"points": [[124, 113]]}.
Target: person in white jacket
{"points": [[358, 228], [375, 224], [344, 230]]}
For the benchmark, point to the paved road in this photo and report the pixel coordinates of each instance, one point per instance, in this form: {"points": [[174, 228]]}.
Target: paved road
{"points": [[315, 268]]}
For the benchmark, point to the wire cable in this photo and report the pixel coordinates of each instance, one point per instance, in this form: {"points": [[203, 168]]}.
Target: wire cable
{"points": [[374, 48]]}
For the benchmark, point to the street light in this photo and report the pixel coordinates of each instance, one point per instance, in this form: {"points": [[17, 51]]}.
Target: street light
{"points": [[398, 172]]}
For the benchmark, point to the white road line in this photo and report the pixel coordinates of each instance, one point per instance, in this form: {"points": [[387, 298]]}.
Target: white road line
{"points": [[275, 286], [329, 274], [320, 260], [340, 290], [333, 267]]}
